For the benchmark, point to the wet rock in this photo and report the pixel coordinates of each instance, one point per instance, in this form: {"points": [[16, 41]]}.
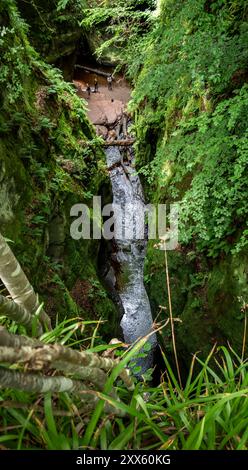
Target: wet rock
{"points": [[106, 112], [137, 320]]}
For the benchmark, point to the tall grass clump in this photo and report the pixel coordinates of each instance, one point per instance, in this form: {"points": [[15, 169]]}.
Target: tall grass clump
{"points": [[209, 412]]}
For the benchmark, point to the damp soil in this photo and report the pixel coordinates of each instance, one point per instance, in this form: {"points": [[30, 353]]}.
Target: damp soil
{"points": [[106, 106]]}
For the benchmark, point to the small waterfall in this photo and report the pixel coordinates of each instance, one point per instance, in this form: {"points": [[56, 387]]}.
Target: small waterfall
{"points": [[130, 252]]}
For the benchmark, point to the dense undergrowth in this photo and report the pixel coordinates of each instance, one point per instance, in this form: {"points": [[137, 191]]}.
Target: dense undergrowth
{"points": [[209, 412], [193, 96]]}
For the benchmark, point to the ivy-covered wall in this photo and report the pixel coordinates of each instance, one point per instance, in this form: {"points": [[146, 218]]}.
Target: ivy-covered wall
{"points": [[190, 104], [50, 159]]}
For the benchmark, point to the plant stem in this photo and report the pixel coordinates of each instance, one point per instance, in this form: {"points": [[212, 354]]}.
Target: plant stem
{"points": [[171, 316]]}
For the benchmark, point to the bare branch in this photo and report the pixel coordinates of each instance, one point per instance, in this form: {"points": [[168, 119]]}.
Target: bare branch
{"points": [[42, 355], [39, 384]]}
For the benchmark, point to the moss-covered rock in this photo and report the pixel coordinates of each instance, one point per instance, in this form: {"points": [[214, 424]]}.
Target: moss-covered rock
{"points": [[55, 31], [208, 298], [50, 159]]}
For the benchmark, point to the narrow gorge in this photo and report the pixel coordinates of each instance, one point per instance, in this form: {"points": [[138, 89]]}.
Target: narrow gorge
{"points": [[125, 273], [112, 339]]}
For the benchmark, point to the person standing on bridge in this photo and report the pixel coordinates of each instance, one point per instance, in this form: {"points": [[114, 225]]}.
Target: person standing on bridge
{"points": [[110, 82]]}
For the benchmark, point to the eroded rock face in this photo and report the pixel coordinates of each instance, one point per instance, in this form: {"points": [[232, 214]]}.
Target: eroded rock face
{"points": [[57, 44]]}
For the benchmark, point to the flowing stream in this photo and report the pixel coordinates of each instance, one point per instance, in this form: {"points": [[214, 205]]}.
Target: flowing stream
{"points": [[130, 252]]}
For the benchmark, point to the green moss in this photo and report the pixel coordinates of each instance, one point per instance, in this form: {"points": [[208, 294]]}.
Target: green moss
{"points": [[213, 312], [123, 278], [155, 278], [208, 299], [50, 159], [55, 32], [12, 181]]}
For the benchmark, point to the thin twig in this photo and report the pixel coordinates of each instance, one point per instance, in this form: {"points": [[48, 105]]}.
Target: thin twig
{"points": [[171, 316], [244, 338]]}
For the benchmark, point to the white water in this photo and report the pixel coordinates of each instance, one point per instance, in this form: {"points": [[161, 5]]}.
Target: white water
{"points": [[137, 319]]}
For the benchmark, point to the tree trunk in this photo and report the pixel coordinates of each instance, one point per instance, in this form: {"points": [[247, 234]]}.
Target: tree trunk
{"points": [[30, 357], [17, 313], [91, 70], [17, 283]]}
